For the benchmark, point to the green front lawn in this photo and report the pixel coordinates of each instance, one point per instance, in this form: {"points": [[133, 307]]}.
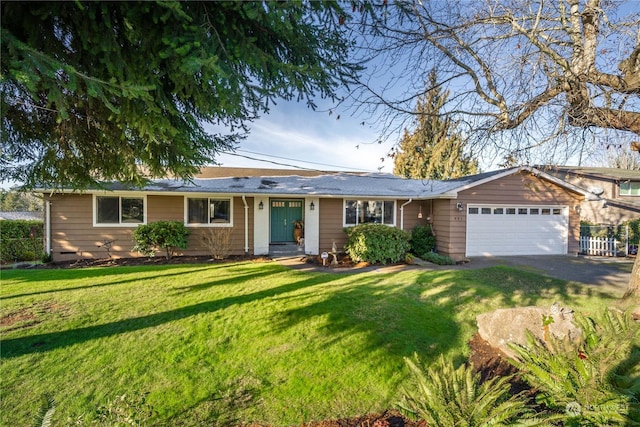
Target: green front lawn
{"points": [[241, 343]]}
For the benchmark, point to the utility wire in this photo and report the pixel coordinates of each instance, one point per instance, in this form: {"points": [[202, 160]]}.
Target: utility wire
{"points": [[287, 158]]}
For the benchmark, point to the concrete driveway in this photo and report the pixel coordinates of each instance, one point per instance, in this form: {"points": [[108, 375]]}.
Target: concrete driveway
{"points": [[598, 271]]}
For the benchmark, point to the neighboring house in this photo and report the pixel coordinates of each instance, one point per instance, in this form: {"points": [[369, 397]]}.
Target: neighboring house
{"points": [[618, 191], [21, 215], [508, 212]]}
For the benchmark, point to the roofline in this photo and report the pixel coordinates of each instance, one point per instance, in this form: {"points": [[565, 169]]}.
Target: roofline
{"points": [[593, 173], [622, 205], [533, 171], [250, 194]]}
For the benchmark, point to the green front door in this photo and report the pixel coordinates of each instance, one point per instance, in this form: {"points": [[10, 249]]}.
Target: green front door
{"points": [[283, 214]]}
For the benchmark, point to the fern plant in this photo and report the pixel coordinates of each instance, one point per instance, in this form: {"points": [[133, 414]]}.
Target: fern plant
{"points": [[445, 396], [592, 382], [44, 416]]}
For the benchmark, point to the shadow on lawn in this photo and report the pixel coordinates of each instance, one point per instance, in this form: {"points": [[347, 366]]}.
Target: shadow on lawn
{"points": [[49, 341], [424, 315], [419, 315], [103, 274]]}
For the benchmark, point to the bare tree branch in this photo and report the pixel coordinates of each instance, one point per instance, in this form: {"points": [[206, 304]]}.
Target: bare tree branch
{"points": [[525, 71]]}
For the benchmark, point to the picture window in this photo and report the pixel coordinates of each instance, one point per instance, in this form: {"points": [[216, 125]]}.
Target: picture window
{"points": [[209, 211], [119, 210]]}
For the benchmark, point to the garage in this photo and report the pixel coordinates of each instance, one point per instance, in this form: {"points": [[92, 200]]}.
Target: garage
{"points": [[517, 230]]}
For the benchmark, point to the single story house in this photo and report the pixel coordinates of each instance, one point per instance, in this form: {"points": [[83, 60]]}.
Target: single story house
{"points": [[618, 191], [513, 211]]}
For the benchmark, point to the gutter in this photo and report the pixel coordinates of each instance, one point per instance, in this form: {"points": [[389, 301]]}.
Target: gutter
{"points": [[402, 213], [47, 225], [246, 225]]}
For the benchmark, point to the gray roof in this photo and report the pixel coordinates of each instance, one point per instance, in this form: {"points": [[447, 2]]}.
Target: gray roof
{"points": [[342, 184], [612, 174]]}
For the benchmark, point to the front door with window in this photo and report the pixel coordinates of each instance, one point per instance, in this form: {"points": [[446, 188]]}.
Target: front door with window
{"points": [[283, 214]]}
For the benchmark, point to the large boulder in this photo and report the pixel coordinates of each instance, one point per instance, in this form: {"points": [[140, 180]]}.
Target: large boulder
{"points": [[510, 325]]}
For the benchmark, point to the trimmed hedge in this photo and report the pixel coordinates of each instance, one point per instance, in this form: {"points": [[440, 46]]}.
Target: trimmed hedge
{"points": [[376, 243], [21, 240]]}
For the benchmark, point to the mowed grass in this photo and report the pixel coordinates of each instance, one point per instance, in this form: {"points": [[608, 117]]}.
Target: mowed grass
{"points": [[242, 343]]}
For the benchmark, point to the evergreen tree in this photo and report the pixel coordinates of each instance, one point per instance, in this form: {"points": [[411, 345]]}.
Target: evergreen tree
{"points": [[91, 91], [433, 150], [11, 200]]}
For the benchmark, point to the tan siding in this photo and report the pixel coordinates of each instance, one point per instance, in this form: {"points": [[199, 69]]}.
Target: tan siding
{"points": [[597, 213], [196, 247], [594, 211], [331, 225], [411, 212], [442, 227], [522, 188], [165, 208], [74, 235]]}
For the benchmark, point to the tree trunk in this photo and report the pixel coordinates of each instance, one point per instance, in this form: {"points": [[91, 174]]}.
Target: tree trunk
{"points": [[633, 291]]}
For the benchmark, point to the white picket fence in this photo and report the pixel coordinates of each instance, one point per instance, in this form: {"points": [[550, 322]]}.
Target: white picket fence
{"points": [[599, 246]]}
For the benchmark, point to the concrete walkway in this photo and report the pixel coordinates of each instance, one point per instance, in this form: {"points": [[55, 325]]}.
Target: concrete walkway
{"points": [[613, 273]]}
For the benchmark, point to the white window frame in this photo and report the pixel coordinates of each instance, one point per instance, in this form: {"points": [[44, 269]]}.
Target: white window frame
{"points": [[344, 211], [120, 196], [633, 187], [209, 197]]}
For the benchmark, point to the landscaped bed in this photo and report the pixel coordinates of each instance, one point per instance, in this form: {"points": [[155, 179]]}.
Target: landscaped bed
{"points": [[242, 343]]}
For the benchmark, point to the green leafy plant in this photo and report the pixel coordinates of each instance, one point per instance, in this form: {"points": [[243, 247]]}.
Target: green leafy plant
{"points": [[593, 381], [422, 240], [438, 259], [376, 243], [445, 396], [167, 235]]}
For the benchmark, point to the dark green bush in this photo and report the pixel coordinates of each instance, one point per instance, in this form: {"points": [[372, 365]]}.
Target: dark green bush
{"points": [[438, 259], [376, 243], [21, 240], [159, 235], [422, 240]]}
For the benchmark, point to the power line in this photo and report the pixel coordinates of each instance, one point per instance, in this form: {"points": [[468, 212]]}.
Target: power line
{"points": [[287, 158]]}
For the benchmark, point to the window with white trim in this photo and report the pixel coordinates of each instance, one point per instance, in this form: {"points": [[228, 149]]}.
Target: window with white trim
{"points": [[119, 210], [630, 188], [369, 211], [209, 211]]}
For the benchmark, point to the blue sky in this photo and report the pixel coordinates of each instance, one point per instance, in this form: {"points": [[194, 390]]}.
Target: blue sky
{"points": [[292, 134]]}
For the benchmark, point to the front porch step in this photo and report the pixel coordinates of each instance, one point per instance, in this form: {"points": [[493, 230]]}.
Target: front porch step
{"points": [[285, 250]]}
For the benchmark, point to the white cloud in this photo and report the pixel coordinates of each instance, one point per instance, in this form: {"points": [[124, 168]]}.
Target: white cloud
{"points": [[292, 131]]}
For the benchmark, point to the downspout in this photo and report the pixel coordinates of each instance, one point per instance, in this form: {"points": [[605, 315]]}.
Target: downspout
{"points": [[402, 213], [47, 225], [246, 225]]}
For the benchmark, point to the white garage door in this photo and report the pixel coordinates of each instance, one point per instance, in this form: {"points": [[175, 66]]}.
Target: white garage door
{"points": [[517, 230]]}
